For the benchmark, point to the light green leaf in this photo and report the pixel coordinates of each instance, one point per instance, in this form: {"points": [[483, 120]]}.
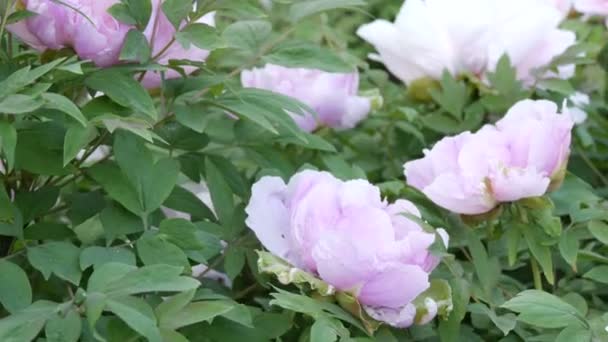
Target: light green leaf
{"points": [[63, 104], [15, 288], [123, 89], [59, 258], [599, 229], [154, 278], [544, 310], [76, 138], [598, 273], [19, 104], [96, 256], [8, 142], [196, 312], [63, 329], [303, 9], [176, 11], [135, 47], [137, 314], [25, 325], [154, 250]]}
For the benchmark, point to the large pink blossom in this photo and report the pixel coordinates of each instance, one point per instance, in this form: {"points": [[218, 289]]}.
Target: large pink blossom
{"points": [[88, 28], [517, 158], [347, 235]]}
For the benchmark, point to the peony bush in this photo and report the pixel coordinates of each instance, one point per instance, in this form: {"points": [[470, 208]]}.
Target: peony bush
{"points": [[303, 170]]}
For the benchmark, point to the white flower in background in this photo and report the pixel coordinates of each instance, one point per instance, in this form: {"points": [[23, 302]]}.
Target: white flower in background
{"points": [[527, 31], [564, 6], [592, 7], [431, 36], [575, 107]]}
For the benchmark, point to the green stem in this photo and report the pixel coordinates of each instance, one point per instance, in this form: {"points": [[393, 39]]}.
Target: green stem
{"points": [[538, 283]]}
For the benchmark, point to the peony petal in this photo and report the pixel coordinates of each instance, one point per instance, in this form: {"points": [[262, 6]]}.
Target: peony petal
{"points": [[268, 216], [394, 286], [512, 184]]}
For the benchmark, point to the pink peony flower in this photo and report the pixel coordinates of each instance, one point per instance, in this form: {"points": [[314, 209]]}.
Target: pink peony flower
{"points": [[93, 33], [517, 158], [347, 235], [332, 96], [87, 27], [163, 35]]}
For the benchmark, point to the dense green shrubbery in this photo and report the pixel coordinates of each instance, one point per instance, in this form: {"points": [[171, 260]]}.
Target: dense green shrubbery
{"points": [[115, 196]]}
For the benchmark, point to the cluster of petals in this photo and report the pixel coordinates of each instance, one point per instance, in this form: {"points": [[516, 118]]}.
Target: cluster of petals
{"points": [[94, 34], [469, 36], [333, 96], [344, 233], [517, 158]]}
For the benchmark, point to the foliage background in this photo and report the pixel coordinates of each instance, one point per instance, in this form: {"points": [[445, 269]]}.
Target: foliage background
{"points": [[87, 253]]}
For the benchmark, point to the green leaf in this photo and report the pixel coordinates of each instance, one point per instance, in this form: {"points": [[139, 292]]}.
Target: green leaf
{"points": [[96, 256], [40, 149], [36, 203], [121, 12], [220, 191], [181, 232], [196, 312], [306, 55], [574, 333], [505, 323], [59, 258], [89, 231], [599, 230], [109, 176], [323, 331], [15, 289], [8, 142], [598, 273], [63, 329], [138, 315], [19, 104], [453, 95], [173, 305], [135, 48], [201, 35], [486, 272], [540, 252], [303, 9], [176, 11], [76, 138], [234, 262], [25, 325], [247, 34], [153, 182], [155, 250], [558, 85], [185, 201], [116, 222], [140, 10], [544, 310], [568, 247], [128, 280], [123, 89], [25, 76], [63, 104], [48, 231]]}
